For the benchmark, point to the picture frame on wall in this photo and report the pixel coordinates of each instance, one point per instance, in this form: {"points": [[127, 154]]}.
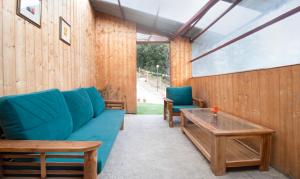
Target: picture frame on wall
{"points": [[64, 31], [30, 10]]}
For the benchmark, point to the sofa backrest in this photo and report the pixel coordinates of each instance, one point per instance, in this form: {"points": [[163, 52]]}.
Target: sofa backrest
{"points": [[37, 116], [180, 95], [97, 100], [80, 107]]}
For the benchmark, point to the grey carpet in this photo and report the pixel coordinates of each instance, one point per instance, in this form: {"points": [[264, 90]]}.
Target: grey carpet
{"points": [[148, 148]]}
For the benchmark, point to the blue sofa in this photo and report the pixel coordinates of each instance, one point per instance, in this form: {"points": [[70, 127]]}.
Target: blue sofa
{"points": [[77, 115]]}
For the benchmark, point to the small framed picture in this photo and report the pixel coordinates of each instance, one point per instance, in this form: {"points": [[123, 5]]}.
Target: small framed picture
{"points": [[31, 10], [64, 31]]}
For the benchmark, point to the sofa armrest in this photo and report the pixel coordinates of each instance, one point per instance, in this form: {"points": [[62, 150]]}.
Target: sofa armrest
{"points": [[199, 102], [22, 149], [111, 104], [47, 146], [168, 100]]}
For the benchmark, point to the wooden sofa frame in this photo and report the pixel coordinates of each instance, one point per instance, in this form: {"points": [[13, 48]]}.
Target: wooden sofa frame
{"points": [[169, 113], [30, 149]]}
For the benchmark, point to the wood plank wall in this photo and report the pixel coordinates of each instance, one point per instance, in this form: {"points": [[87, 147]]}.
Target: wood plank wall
{"points": [[180, 66], [269, 97], [116, 59], [33, 59]]}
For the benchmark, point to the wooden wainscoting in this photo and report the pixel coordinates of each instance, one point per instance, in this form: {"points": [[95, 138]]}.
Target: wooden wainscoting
{"points": [[268, 97], [33, 59], [116, 59]]}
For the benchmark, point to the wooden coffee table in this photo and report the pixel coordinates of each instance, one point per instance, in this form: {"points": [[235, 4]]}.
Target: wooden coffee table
{"points": [[227, 141]]}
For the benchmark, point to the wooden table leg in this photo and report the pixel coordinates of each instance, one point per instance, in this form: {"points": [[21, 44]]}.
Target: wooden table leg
{"points": [[90, 165], [183, 121], [265, 152], [218, 160], [1, 169], [43, 165]]}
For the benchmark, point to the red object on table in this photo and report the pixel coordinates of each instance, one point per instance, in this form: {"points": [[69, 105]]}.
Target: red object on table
{"points": [[215, 110]]}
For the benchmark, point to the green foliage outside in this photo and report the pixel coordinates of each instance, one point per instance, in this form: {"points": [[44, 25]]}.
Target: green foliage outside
{"points": [[147, 108], [150, 55]]}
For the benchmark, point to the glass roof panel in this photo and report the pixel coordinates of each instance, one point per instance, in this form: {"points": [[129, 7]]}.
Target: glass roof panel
{"points": [[244, 17], [180, 10], [177, 10], [146, 6], [212, 14], [236, 18]]}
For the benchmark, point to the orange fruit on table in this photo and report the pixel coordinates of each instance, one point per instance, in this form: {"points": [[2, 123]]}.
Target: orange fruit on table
{"points": [[214, 109]]}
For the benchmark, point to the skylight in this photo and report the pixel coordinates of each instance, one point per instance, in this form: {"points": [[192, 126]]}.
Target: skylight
{"points": [[180, 10], [236, 18], [177, 10]]}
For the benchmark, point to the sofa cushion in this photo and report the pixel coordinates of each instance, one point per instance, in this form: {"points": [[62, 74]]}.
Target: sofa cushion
{"points": [[80, 107], [96, 99], [176, 108], [104, 128], [37, 116], [180, 95]]}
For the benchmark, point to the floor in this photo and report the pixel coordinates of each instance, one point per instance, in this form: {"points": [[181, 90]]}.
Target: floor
{"points": [[148, 148]]}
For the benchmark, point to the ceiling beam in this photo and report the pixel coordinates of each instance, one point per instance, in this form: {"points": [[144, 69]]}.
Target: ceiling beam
{"points": [[252, 31], [197, 16], [156, 17], [217, 19], [121, 10], [192, 26], [152, 42]]}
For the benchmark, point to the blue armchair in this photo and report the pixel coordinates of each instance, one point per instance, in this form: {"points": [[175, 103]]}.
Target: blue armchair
{"points": [[179, 98]]}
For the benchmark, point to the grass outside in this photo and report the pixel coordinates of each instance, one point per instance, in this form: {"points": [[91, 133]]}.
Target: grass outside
{"points": [[148, 108]]}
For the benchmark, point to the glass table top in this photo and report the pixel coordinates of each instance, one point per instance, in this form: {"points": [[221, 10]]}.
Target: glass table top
{"points": [[220, 121]]}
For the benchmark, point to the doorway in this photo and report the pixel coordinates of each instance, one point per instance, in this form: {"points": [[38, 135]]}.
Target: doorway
{"points": [[153, 76]]}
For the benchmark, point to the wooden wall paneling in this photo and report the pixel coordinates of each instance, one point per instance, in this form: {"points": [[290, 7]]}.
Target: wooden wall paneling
{"points": [[51, 51], [38, 59], [269, 100], [20, 55], [116, 59], [64, 49], [60, 46], [76, 44], [45, 46], [180, 67], [34, 59], [30, 60], [9, 60], [268, 97], [56, 43], [296, 121], [286, 112], [72, 55], [1, 50]]}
